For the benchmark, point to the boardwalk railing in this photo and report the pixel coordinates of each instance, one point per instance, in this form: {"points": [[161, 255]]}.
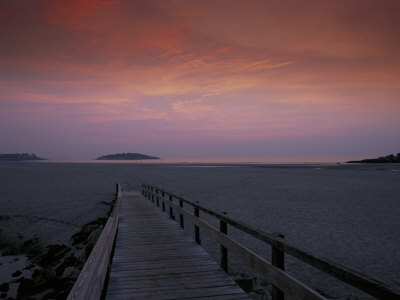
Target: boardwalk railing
{"points": [[283, 283], [90, 282]]}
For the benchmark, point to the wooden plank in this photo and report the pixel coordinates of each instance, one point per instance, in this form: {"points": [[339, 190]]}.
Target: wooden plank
{"points": [[206, 292], [161, 271], [179, 279], [163, 264], [168, 279], [155, 259], [161, 286]]}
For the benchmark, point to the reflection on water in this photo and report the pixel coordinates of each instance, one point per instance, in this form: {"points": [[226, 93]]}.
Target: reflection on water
{"points": [[222, 160]]}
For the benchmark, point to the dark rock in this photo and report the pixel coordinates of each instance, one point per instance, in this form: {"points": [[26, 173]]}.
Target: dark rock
{"points": [[52, 295], [36, 274], [88, 250], [94, 235], [4, 287], [30, 267], [25, 288], [70, 261], [83, 235], [70, 272], [54, 253], [16, 273], [27, 243]]}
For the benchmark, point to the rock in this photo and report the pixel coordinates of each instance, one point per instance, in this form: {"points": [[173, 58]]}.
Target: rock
{"points": [[88, 250], [25, 288], [4, 287], [29, 267], [27, 243], [70, 261], [37, 274], [82, 256], [82, 236], [54, 253], [94, 235], [70, 272], [16, 273]]}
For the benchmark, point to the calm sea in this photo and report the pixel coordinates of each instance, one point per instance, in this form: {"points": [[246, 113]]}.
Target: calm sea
{"points": [[347, 213]]}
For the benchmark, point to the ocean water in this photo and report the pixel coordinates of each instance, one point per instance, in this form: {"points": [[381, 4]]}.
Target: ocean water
{"points": [[346, 213]]}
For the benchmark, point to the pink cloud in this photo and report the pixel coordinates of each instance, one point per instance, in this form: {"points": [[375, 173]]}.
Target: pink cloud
{"points": [[200, 70]]}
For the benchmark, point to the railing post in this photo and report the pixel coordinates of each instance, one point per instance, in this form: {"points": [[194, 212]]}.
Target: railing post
{"points": [[171, 212], [157, 197], [278, 260], [196, 228], [180, 215], [223, 228]]}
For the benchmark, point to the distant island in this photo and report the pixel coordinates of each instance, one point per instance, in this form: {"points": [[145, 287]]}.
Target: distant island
{"points": [[126, 156], [383, 159], [20, 157]]}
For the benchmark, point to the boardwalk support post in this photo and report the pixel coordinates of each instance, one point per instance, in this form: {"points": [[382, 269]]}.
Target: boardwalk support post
{"points": [[157, 200], [196, 228], [278, 260], [180, 215], [223, 228], [171, 211]]}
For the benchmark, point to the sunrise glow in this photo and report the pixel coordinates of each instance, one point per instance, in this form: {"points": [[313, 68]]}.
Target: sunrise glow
{"points": [[82, 78]]}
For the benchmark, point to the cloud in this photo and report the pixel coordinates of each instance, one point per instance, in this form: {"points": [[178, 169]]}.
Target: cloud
{"points": [[193, 109], [72, 12], [247, 70]]}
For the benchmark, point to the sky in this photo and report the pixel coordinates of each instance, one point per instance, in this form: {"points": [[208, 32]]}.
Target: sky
{"points": [[210, 78]]}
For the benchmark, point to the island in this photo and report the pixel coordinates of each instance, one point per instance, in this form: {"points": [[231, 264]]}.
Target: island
{"points": [[126, 156], [383, 159], [20, 157]]}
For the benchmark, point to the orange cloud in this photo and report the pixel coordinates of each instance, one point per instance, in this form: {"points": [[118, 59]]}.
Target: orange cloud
{"points": [[247, 70]]}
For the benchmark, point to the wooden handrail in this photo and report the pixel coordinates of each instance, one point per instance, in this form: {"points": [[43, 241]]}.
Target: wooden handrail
{"points": [[352, 277], [90, 282]]}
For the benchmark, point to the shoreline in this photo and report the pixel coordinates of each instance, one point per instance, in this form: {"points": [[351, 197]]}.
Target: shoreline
{"points": [[30, 269]]}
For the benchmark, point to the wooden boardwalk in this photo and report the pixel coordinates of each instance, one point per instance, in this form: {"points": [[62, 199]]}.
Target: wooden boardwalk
{"points": [[155, 259]]}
